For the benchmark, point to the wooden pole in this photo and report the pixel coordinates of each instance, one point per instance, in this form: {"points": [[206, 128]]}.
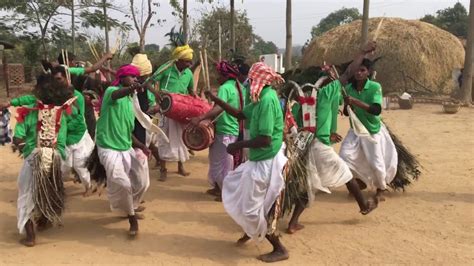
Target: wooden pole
{"points": [[73, 30], [365, 24], [185, 20], [467, 74], [289, 36], [107, 44]]}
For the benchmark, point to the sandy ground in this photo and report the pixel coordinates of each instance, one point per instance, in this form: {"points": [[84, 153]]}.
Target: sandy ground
{"points": [[431, 223]]}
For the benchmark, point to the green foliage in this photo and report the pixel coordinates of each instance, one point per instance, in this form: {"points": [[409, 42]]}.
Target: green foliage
{"points": [[452, 19], [334, 19], [208, 30], [261, 46]]}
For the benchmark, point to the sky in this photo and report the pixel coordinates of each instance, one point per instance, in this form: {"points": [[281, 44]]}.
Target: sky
{"points": [[268, 16]]}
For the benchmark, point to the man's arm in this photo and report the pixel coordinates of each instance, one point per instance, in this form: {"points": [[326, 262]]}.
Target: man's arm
{"points": [[352, 68], [125, 91], [19, 101], [258, 142], [139, 145], [229, 109], [99, 63]]}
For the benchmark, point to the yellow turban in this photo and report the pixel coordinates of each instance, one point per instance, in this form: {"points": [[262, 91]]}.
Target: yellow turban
{"points": [[182, 52], [142, 63]]}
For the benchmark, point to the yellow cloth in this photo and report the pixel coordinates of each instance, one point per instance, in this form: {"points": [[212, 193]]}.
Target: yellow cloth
{"points": [[142, 63], [182, 52]]}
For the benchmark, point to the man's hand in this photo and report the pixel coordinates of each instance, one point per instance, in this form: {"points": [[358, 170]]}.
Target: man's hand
{"points": [[153, 110], [348, 100], [209, 95], [232, 148], [146, 151], [335, 138], [109, 56], [195, 121], [369, 47]]}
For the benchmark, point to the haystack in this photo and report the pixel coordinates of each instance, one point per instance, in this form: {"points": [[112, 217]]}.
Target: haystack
{"points": [[416, 56]]}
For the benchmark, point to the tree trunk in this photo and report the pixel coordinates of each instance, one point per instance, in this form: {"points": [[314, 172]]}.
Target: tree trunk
{"points": [[289, 45], [106, 27], [365, 24], [43, 43], [185, 20], [232, 24], [468, 59], [73, 30], [142, 42]]}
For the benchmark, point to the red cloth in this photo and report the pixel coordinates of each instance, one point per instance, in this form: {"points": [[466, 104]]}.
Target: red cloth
{"points": [[227, 70], [125, 70], [260, 75]]}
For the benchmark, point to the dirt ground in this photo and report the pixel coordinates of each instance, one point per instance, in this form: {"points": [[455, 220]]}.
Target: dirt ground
{"points": [[431, 223]]}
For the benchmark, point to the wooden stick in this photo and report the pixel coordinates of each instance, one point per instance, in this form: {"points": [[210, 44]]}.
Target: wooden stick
{"points": [[203, 71], [207, 70], [93, 52], [376, 34]]}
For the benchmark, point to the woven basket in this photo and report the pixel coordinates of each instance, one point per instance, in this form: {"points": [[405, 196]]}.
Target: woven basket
{"points": [[451, 108]]}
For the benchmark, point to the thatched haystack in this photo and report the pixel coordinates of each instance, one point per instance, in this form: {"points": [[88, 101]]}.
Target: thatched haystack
{"points": [[410, 49]]}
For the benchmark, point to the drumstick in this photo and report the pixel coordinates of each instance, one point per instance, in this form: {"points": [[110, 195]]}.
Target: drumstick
{"points": [[203, 70], [92, 51], [207, 70]]}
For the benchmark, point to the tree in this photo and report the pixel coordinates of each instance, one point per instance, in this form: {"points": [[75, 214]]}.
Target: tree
{"points": [[289, 36], [468, 60], [207, 28], [142, 20], [33, 13], [452, 19], [260, 47], [232, 25], [334, 19]]}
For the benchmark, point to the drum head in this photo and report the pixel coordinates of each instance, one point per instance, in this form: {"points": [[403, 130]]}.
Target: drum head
{"points": [[165, 104], [195, 138]]}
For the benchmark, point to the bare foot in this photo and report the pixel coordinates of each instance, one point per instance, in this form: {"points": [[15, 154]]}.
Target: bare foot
{"points": [[88, 192], [163, 175], [275, 255], [214, 191], [372, 205], [27, 242], [140, 209], [379, 195], [293, 228], [242, 240], [133, 231], [182, 172]]}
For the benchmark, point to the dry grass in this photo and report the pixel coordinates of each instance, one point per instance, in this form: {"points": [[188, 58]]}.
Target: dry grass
{"points": [[418, 49]]}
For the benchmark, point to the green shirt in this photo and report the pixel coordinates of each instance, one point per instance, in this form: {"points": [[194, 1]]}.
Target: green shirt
{"points": [[116, 122], [266, 119], [76, 123], [174, 81], [27, 130], [370, 94], [78, 71], [329, 99], [227, 124]]}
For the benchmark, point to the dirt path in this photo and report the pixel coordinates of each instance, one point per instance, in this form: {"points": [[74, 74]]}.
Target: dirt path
{"points": [[431, 223]]}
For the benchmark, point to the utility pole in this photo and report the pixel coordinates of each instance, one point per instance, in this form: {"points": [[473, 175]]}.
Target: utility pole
{"points": [[185, 20], [289, 36], [220, 41], [365, 24], [107, 44], [73, 30]]}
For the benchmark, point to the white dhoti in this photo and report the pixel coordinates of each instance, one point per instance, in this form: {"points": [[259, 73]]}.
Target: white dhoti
{"points": [[175, 150], [25, 203], [245, 151], [220, 162], [76, 157], [250, 191], [325, 169], [125, 185], [375, 163]]}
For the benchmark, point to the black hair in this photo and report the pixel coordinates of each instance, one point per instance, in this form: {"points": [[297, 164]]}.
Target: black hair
{"points": [[369, 64], [78, 81], [50, 91], [58, 69], [70, 57], [244, 69]]}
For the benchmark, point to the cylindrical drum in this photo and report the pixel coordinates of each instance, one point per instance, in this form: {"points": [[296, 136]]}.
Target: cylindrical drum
{"points": [[200, 137], [182, 107]]}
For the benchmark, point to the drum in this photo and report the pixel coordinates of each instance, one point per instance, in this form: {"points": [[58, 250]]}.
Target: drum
{"points": [[200, 137], [181, 107]]}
